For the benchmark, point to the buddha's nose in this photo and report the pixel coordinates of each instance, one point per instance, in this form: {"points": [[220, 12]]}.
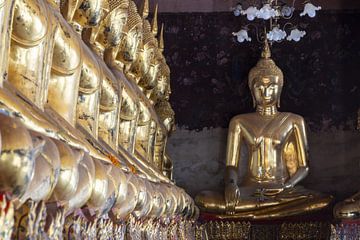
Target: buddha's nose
{"points": [[267, 92]]}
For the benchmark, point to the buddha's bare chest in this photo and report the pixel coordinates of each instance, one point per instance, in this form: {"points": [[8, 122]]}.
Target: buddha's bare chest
{"points": [[266, 132], [265, 138]]}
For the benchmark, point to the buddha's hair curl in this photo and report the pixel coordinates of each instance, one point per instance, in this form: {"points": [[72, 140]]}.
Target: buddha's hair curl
{"points": [[115, 4], [148, 36], [134, 18]]}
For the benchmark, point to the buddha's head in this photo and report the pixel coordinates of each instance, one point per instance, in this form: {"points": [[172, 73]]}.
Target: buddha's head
{"points": [[166, 115], [146, 52], [266, 81], [89, 13], [162, 89], [112, 28], [132, 37], [149, 81]]}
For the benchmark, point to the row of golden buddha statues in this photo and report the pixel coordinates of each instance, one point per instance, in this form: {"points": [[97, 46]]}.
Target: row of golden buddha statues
{"points": [[267, 156], [84, 122]]}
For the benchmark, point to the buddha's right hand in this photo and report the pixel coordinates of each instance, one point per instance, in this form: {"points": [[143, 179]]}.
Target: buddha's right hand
{"points": [[232, 197]]}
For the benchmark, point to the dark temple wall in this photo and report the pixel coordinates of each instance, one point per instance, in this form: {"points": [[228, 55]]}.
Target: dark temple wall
{"points": [[209, 84]]}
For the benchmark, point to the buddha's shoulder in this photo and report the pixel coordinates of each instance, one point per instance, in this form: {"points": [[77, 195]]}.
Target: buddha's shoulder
{"points": [[243, 118], [294, 117]]}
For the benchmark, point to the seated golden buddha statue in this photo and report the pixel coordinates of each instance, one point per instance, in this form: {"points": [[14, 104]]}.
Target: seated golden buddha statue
{"points": [[140, 67], [116, 58], [264, 185], [161, 159], [122, 56], [162, 90], [108, 33], [148, 79]]}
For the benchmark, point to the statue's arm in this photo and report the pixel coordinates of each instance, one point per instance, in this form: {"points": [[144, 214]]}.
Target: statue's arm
{"points": [[232, 192], [302, 153]]}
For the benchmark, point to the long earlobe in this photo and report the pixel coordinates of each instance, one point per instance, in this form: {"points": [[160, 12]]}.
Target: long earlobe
{"points": [[254, 102]]}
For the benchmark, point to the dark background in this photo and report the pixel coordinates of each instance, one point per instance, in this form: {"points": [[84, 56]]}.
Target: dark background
{"points": [[209, 69]]}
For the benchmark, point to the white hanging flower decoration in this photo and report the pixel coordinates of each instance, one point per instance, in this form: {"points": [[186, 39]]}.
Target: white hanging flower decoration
{"points": [[250, 13], [266, 12], [286, 11], [276, 34], [242, 36], [310, 10], [296, 35]]}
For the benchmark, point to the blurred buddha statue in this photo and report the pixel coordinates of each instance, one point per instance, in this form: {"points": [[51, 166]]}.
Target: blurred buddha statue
{"points": [[83, 14], [109, 107], [162, 90], [147, 81], [6, 13], [31, 47], [87, 108], [127, 49], [140, 67], [109, 32], [264, 184], [161, 159], [123, 55], [65, 70]]}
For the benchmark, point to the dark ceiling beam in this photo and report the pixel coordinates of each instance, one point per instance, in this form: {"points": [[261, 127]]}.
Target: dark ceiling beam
{"points": [[225, 5]]}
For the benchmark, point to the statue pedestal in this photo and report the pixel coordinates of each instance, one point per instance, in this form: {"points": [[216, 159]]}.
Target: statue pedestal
{"points": [[318, 225]]}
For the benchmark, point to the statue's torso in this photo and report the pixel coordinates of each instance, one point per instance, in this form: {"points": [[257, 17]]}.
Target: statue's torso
{"points": [[266, 138]]}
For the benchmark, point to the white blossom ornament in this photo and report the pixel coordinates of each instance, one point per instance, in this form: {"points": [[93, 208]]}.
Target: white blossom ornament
{"points": [[296, 35], [276, 34], [266, 12], [310, 10], [250, 13], [286, 11], [242, 36]]}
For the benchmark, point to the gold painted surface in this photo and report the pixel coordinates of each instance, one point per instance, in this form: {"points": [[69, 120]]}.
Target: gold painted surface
{"points": [[32, 42], [6, 13], [17, 158], [277, 157], [65, 73], [87, 108], [109, 108], [78, 134]]}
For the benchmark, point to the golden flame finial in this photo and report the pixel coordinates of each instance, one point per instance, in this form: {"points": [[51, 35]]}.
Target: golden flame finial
{"points": [[266, 53], [154, 23], [161, 39], [144, 9]]}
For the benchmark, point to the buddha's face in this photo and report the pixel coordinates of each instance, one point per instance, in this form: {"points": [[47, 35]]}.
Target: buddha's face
{"points": [[130, 45], [112, 31], [90, 13], [266, 91], [162, 89], [149, 80], [145, 57]]}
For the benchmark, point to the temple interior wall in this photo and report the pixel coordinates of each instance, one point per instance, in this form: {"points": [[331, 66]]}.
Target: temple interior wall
{"points": [[209, 85]]}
